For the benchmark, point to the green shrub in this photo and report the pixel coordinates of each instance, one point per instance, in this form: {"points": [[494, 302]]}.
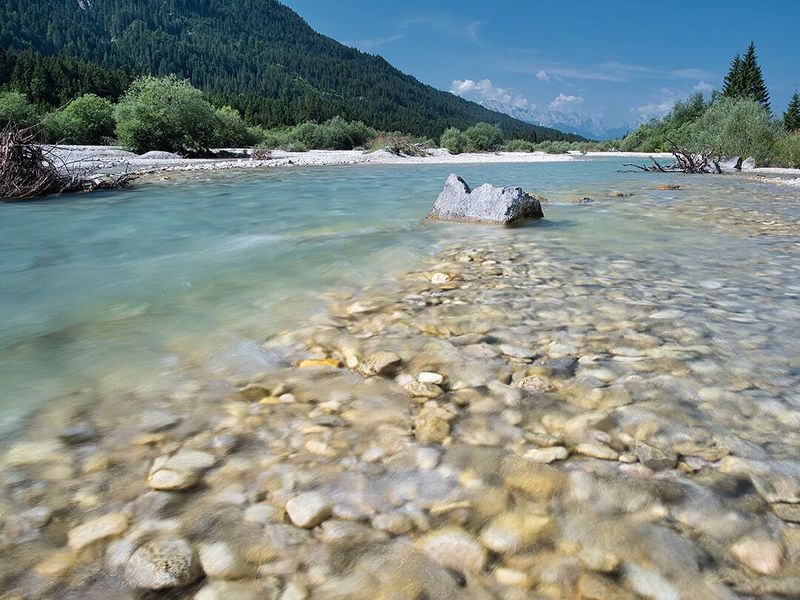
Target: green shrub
{"points": [[15, 108], [255, 136], [483, 137], [88, 119], [734, 127], [165, 113], [453, 139], [519, 146], [230, 129], [559, 148], [786, 152]]}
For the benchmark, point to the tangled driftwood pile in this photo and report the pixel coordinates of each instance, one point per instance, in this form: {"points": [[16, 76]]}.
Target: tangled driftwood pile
{"points": [[685, 162], [30, 170]]}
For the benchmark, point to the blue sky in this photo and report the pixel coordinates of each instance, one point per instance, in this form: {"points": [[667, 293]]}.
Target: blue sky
{"points": [[623, 61]]}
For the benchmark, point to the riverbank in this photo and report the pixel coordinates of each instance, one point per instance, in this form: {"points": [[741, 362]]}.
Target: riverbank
{"points": [[524, 412], [115, 160]]}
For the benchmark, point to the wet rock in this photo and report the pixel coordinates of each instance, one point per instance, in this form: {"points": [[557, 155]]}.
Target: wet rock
{"points": [[394, 523], [336, 531], [787, 512], [430, 377], [153, 421], [595, 450], [546, 455], [432, 425], [485, 204], [97, 531], [423, 390], [513, 578], [510, 533], [25, 526], [454, 548], [320, 363], [759, 553], [534, 384], [180, 471], [162, 564], [55, 564], [219, 560], [539, 481], [654, 458], [309, 509], [237, 590], [34, 452], [597, 587], [379, 363], [294, 591], [79, 433], [650, 584]]}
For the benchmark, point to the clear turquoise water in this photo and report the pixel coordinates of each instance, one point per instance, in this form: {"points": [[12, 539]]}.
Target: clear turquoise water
{"points": [[126, 285]]}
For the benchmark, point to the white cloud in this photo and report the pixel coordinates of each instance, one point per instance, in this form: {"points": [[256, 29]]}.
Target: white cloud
{"points": [[702, 86], [542, 75], [486, 91], [370, 43], [565, 102], [655, 109]]}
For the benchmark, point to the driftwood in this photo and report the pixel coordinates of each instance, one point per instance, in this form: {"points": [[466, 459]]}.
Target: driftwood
{"points": [[685, 162], [30, 170]]}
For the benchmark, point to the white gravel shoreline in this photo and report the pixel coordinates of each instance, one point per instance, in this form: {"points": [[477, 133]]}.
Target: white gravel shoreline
{"points": [[114, 160]]}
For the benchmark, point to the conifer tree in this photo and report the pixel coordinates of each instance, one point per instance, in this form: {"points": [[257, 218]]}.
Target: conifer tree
{"points": [[732, 85], [791, 118], [752, 79]]}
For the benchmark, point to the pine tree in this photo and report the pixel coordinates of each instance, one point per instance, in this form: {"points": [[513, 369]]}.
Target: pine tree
{"points": [[752, 79], [791, 118], [732, 85]]}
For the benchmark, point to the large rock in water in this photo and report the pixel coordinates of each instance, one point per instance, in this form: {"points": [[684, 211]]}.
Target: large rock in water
{"points": [[484, 204]]}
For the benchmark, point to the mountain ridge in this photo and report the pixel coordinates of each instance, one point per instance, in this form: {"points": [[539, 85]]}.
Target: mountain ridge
{"points": [[257, 55]]}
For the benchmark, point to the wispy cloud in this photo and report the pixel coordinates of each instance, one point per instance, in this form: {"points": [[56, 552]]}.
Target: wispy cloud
{"points": [[609, 71], [370, 43], [702, 86], [446, 24], [565, 102], [485, 90]]}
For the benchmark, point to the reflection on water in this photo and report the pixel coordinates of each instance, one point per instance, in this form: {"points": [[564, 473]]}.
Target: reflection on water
{"points": [[602, 404]]}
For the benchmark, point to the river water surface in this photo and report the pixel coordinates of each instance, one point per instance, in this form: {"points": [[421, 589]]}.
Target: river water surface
{"points": [[651, 335]]}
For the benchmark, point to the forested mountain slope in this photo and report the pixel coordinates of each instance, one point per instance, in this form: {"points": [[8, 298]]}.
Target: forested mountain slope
{"points": [[256, 54]]}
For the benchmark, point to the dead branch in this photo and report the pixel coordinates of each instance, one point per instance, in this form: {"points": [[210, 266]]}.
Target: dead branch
{"points": [[30, 170], [685, 161]]}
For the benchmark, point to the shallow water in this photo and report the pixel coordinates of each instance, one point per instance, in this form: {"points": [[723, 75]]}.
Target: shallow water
{"points": [[101, 286], [681, 306]]}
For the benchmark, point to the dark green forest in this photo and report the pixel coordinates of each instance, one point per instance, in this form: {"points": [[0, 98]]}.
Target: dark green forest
{"points": [[255, 55]]}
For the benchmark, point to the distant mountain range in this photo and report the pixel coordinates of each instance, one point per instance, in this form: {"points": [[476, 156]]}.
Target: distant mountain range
{"points": [[257, 55], [588, 126]]}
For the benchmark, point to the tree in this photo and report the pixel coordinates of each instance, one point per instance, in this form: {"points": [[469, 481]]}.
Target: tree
{"points": [[753, 86], [791, 118], [453, 139], [231, 131], [165, 113], [86, 120], [15, 109], [732, 84], [734, 127], [745, 80]]}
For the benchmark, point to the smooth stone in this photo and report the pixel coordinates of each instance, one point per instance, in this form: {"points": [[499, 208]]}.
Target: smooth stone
{"points": [[97, 530], [79, 433], [430, 377], [162, 564], [510, 533], [546, 455], [650, 584], [418, 389], [431, 426], [394, 523], [454, 548], [596, 587], [153, 421], [309, 509], [378, 363], [513, 578], [236, 590], [55, 564], [294, 591], [760, 553], [27, 525], [654, 458], [27, 453], [427, 458], [319, 363], [595, 450], [787, 512], [221, 561], [171, 480], [534, 384]]}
